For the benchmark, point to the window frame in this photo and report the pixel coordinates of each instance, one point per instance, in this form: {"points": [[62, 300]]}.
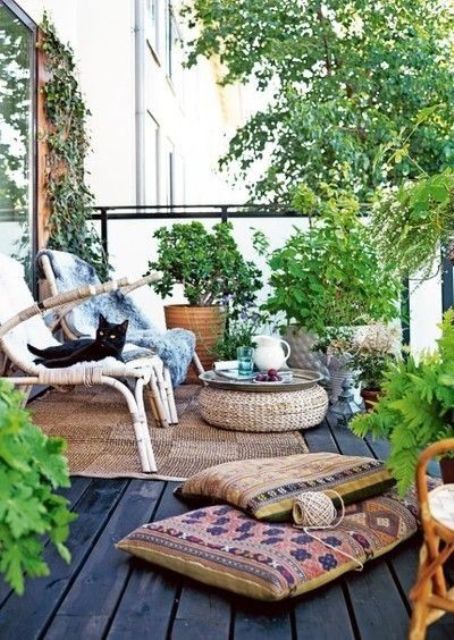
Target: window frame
{"points": [[157, 156], [32, 27]]}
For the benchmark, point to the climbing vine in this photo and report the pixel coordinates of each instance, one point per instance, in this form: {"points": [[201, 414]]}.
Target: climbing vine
{"points": [[69, 198]]}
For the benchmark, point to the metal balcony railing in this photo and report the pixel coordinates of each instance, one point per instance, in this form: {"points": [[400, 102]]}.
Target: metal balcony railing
{"points": [[225, 212]]}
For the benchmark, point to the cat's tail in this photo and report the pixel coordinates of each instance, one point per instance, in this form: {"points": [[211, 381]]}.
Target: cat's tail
{"points": [[35, 351]]}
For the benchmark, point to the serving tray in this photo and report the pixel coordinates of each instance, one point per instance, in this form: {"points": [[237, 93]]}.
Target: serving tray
{"points": [[302, 379]]}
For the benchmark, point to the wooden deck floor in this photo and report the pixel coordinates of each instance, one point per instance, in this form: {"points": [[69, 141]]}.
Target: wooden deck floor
{"points": [[105, 594]]}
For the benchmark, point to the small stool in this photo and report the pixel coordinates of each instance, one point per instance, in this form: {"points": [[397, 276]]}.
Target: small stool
{"points": [[263, 411], [430, 595]]}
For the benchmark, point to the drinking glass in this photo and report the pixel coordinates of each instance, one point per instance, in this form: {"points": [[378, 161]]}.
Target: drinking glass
{"points": [[244, 357]]}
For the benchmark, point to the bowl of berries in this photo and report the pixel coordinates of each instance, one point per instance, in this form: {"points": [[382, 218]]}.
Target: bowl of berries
{"points": [[271, 376]]}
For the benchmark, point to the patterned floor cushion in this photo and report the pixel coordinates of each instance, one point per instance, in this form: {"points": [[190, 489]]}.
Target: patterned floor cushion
{"points": [[266, 488], [223, 547]]}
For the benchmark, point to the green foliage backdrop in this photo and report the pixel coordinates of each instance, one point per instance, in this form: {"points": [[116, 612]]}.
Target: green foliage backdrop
{"points": [[69, 197], [345, 79]]}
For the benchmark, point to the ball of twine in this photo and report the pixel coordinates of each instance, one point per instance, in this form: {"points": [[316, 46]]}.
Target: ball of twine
{"points": [[314, 509]]}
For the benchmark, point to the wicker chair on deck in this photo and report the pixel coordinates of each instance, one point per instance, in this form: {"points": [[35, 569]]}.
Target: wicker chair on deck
{"points": [[430, 596], [21, 322]]}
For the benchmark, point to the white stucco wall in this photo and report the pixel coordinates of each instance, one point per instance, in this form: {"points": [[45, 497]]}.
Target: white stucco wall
{"points": [[190, 109], [192, 112]]}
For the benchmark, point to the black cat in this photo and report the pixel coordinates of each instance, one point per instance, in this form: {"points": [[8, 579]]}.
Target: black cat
{"points": [[110, 340]]}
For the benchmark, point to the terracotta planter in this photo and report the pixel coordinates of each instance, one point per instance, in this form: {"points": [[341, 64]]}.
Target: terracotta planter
{"points": [[206, 322], [370, 397], [447, 470]]}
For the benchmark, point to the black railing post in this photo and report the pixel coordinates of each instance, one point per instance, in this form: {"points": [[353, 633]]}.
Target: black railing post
{"points": [[447, 283], [405, 312], [224, 213], [104, 230]]}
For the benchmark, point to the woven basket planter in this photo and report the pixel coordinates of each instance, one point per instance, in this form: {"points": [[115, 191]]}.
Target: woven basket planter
{"points": [[206, 322], [249, 411]]}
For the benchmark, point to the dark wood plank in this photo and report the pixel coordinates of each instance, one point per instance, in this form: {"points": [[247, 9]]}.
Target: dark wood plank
{"points": [[320, 439], [323, 614], [73, 494], [28, 616], [376, 603], [380, 448], [93, 595], [442, 629], [201, 614], [262, 620], [388, 601], [403, 563], [149, 598], [347, 442]]}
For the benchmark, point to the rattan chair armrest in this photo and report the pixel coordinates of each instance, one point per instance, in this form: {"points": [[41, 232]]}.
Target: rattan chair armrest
{"points": [[142, 282], [78, 295]]}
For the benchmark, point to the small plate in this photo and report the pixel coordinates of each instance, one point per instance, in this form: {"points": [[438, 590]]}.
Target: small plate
{"points": [[233, 374]]}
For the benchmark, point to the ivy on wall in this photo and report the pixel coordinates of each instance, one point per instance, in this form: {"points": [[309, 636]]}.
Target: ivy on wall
{"points": [[69, 198]]}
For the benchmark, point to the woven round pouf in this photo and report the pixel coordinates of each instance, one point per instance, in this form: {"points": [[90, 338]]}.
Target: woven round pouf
{"points": [[251, 411]]}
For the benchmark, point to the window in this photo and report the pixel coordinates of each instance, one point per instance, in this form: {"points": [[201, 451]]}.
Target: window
{"points": [[153, 21], [170, 37], [169, 172], [151, 160], [17, 178]]}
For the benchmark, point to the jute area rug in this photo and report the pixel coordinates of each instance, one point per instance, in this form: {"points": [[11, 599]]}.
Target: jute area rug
{"points": [[96, 424]]}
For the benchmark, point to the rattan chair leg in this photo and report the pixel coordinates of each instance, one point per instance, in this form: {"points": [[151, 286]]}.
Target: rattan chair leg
{"points": [[420, 595], [139, 395], [158, 367], [433, 545], [170, 397], [152, 402], [163, 422], [197, 364], [26, 391], [142, 434]]}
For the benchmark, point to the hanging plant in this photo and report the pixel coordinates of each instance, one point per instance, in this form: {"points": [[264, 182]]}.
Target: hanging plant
{"points": [[70, 200]]}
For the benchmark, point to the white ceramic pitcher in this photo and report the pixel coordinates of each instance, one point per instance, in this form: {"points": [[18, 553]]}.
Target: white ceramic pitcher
{"points": [[269, 354]]}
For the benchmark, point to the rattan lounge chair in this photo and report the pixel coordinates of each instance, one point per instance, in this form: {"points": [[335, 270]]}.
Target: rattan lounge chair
{"points": [[21, 322]]}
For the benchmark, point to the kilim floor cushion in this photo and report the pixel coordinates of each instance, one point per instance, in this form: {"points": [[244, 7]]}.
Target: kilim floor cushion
{"points": [[223, 547]]}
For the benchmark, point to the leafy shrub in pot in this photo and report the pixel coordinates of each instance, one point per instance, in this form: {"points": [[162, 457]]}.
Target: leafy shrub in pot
{"points": [[372, 353], [330, 276], [215, 278]]}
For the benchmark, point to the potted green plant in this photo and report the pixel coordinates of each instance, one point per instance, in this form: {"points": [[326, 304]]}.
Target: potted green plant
{"points": [[372, 352], [415, 407], [32, 467], [330, 276], [215, 278], [238, 332]]}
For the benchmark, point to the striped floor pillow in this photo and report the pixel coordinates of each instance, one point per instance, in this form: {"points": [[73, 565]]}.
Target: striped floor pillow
{"points": [[223, 547], [266, 488]]}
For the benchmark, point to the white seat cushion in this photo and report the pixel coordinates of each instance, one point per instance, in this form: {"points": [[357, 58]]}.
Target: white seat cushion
{"points": [[441, 504]]}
